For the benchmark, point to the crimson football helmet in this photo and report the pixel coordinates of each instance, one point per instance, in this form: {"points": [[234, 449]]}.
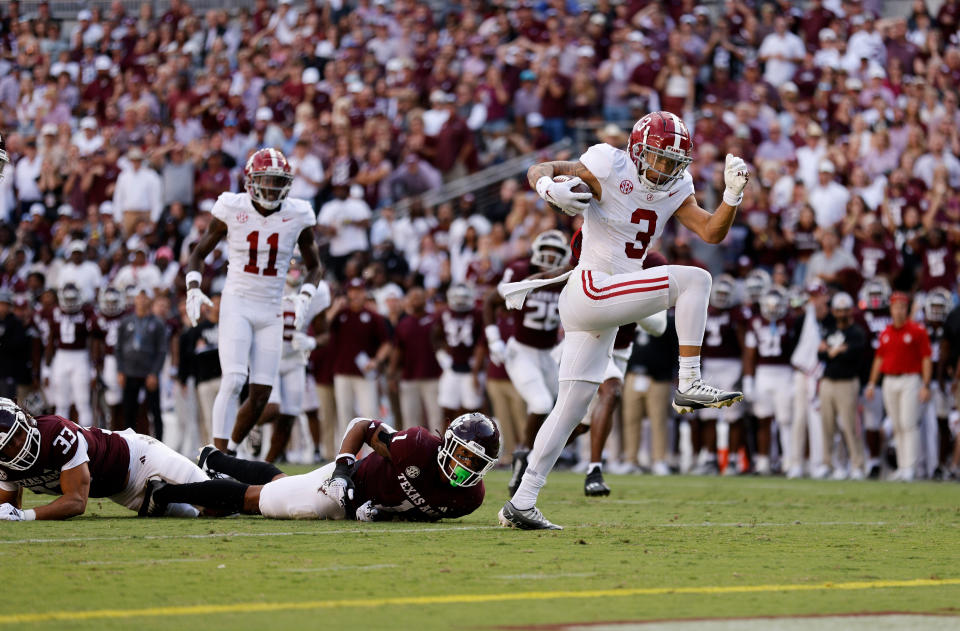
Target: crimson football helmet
{"points": [[267, 178], [722, 293], [4, 158], [875, 294], [756, 284], [19, 437], [69, 298], [471, 447], [112, 303], [460, 298], [774, 304], [937, 305], [661, 148], [550, 250]]}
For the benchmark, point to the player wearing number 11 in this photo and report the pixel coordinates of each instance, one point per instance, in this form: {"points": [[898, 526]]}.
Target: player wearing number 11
{"points": [[262, 227], [632, 195]]}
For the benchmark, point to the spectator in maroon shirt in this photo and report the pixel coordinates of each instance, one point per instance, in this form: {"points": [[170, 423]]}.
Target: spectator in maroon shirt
{"points": [[362, 346], [553, 89], [938, 258], [414, 362], [213, 178], [454, 150]]}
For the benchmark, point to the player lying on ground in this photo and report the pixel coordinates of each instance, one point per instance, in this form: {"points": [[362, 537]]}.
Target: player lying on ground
{"points": [[51, 455], [629, 198], [411, 475]]}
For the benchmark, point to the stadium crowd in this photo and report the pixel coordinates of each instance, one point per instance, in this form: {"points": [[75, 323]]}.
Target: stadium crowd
{"points": [[123, 128]]}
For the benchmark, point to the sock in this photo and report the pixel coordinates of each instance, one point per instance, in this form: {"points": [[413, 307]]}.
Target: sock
{"points": [[242, 470], [595, 465], [232, 446], [689, 372], [223, 495], [572, 403]]}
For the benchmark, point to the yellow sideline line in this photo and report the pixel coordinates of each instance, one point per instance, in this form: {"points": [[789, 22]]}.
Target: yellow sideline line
{"points": [[195, 610]]}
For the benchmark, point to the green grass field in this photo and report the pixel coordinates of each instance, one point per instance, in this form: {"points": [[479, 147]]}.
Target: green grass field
{"points": [[658, 548]]}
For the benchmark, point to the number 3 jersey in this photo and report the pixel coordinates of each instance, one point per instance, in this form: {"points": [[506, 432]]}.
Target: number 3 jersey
{"points": [[620, 227], [260, 247], [65, 445], [538, 323]]}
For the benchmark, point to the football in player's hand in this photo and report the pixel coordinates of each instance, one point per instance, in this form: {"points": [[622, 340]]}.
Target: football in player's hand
{"points": [[579, 188]]}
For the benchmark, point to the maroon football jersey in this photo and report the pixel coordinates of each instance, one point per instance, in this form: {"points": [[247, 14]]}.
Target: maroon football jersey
{"points": [[412, 338], [720, 339], [538, 323], [108, 329], [939, 268], [461, 332], [355, 332], [775, 340], [410, 483], [71, 330], [109, 457], [625, 335], [874, 259]]}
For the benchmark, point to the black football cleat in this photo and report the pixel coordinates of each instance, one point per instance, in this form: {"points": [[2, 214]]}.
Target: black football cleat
{"points": [[700, 395], [530, 519], [519, 467], [593, 485], [150, 506], [205, 452]]}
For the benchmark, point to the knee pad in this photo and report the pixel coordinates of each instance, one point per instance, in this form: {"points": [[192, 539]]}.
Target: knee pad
{"points": [[232, 383], [689, 278], [539, 401]]}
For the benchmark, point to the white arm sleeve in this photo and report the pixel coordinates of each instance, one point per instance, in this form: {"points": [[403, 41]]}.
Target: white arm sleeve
{"points": [[80, 456]]}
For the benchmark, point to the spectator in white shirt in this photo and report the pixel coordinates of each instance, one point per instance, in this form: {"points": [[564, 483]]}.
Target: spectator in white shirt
{"points": [[781, 51], [345, 220], [776, 147], [139, 273], [829, 198], [138, 194], [27, 175], [307, 172], [825, 265], [167, 266], [937, 156], [79, 271], [810, 155], [88, 139]]}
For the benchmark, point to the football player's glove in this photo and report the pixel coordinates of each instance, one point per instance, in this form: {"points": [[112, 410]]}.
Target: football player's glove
{"points": [[498, 350], [340, 486], [561, 194], [368, 512], [9, 512], [195, 300], [304, 298], [736, 174], [445, 360], [303, 342]]}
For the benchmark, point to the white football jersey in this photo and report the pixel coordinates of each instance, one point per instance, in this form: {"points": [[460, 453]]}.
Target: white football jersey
{"points": [[260, 248], [620, 227]]}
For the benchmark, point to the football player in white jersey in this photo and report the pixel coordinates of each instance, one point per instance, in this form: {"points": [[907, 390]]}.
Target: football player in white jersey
{"points": [[632, 195], [262, 227]]}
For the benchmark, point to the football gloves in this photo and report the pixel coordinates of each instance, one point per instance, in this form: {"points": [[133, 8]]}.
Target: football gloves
{"points": [[195, 300], [340, 487], [561, 194], [498, 350], [736, 174], [304, 298], [9, 512], [368, 512], [303, 342]]}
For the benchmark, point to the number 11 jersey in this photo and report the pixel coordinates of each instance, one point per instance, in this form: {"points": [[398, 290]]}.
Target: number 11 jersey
{"points": [[260, 247], [619, 228]]}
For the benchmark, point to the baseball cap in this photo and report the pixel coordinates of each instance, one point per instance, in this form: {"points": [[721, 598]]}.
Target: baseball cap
{"points": [[165, 253], [528, 75], [310, 75], [534, 119], [38, 209], [84, 15], [134, 154], [264, 114], [841, 301], [76, 246], [356, 283], [814, 130], [816, 288], [899, 296], [102, 62], [106, 207], [827, 167], [65, 210], [88, 122]]}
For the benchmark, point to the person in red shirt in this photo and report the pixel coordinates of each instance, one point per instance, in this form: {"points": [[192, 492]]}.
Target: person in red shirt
{"points": [[414, 362], [904, 358]]}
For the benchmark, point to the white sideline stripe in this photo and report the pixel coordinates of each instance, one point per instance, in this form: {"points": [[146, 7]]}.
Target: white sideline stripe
{"points": [[142, 562], [219, 535], [768, 524], [338, 568], [540, 577]]}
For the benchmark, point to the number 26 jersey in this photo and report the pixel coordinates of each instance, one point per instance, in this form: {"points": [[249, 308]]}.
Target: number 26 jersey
{"points": [[619, 228], [538, 323], [260, 247]]}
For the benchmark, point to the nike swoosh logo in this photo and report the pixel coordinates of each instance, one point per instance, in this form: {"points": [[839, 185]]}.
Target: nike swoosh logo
{"points": [[286, 219], [673, 193]]}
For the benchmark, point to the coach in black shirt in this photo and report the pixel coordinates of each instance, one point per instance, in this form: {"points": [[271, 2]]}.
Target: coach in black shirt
{"points": [[841, 351]]}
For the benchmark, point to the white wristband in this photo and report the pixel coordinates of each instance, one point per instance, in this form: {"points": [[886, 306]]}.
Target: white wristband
{"points": [[29, 515], [309, 289], [542, 185], [194, 276], [732, 199], [492, 332]]}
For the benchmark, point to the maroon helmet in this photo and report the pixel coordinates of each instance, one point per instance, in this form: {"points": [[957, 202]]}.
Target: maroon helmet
{"points": [[471, 447], [267, 178], [19, 437], [661, 148]]}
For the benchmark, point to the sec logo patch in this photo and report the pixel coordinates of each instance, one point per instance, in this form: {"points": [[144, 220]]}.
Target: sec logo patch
{"points": [[242, 217], [626, 187], [412, 471]]}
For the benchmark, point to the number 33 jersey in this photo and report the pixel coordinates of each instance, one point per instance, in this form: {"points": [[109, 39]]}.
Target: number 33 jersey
{"points": [[260, 247], [620, 227]]}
